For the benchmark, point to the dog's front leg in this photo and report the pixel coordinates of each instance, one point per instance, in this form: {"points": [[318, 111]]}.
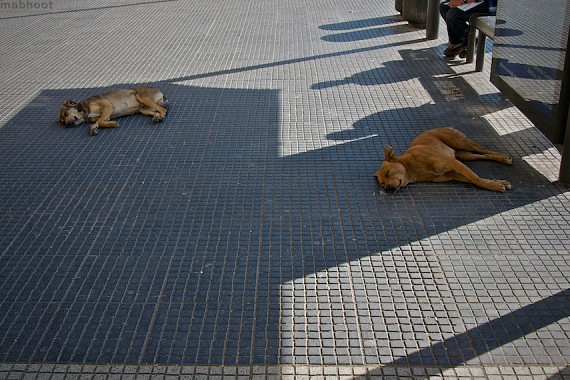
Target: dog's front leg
{"points": [[94, 129], [103, 120]]}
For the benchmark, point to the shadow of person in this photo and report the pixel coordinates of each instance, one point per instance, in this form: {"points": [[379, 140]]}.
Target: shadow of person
{"points": [[411, 66], [389, 72]]}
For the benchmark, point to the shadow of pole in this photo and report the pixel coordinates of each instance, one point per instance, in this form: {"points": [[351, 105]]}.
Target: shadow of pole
{"points": [[477, 341]]}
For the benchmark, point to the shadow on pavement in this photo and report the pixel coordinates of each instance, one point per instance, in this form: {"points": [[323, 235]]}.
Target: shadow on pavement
{"points": [[170, 243], [455, 351]]}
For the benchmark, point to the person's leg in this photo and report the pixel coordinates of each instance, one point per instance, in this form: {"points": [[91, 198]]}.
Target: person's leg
{"points": [[456, 21], [443, 8], [457, 27], [448, 15]]}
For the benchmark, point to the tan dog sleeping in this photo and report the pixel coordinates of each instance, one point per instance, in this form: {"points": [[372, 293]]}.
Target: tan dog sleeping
{"points": [[99, 109], [434, 156]]}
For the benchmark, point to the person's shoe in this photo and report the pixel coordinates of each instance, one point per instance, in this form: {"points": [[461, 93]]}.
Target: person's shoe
{"points": [[452, 52]]}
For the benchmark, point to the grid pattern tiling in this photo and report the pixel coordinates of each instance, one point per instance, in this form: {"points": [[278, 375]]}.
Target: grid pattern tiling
{"points": [[245, 235]]}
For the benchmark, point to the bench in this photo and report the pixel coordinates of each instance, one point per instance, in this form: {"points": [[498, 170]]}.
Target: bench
{"points": [[485, 24]]}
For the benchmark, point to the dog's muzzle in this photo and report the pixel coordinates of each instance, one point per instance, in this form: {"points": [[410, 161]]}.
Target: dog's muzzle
{"points": [[392, 188], [72, 123]]}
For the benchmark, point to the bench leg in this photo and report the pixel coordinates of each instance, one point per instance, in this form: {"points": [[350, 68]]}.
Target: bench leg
{"points": [[481, 44], [470, 44]]}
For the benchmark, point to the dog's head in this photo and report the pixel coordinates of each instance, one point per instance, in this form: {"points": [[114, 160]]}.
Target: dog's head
{"points": [[392, 174], [70, 114]]}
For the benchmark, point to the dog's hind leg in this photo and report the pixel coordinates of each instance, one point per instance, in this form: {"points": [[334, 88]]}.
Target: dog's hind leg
{"points": [[488, 155], [156, 116], [463, 174], [469, 150], [150, 107]]}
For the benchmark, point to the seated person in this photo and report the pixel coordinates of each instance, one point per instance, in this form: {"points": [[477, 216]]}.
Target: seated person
{"points": [[456, 20]]}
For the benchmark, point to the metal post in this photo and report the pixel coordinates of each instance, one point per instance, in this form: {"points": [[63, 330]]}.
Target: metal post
{"points": [[432, 22], [564, 111], [564, 176]]}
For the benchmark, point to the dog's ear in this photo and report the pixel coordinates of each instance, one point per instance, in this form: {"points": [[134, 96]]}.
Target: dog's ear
{"points": [[389, 154], [69, 103]]}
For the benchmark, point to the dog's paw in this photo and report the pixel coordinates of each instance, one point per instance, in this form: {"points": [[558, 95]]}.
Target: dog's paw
{"points": [[157, 119], [502, 185], [508, 160], [93, 131]]}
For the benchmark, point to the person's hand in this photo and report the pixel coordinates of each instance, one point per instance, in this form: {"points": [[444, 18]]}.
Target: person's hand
{"points": [[455, 3]]}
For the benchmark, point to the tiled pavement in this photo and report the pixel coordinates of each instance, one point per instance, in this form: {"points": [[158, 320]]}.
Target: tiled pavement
{"points": [[245, 237]]}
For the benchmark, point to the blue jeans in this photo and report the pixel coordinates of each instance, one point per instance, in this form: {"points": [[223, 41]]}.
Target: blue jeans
{"points": [[456, 21]]}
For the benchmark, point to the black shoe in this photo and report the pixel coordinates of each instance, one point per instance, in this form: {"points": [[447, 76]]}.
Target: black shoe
{"points": [[452, 52]]}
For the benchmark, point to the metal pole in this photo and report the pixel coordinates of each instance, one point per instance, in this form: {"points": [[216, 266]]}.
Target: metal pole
{"points": [[432, 22], [564, 176], [563, 106]]}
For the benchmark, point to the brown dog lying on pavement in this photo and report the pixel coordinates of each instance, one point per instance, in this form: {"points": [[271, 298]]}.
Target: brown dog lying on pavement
{"points": [[434, 157], [121, 102]]}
